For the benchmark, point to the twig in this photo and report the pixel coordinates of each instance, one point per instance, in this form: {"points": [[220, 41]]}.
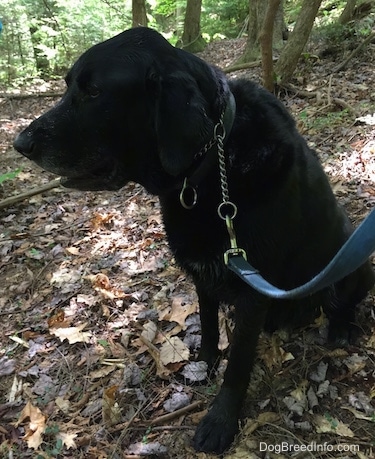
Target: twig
{"points": [[299, 92], [176, 414], [331, 101], [329, 90], [236, 67], [345, 105], [30, 95], [27, 194]]}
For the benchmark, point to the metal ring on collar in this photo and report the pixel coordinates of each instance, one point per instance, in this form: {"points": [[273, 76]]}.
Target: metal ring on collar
{"points": [[227, 209], [187, 189]]}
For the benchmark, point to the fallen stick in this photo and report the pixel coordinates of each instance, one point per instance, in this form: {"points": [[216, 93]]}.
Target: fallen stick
{"points": [[175, 414], [30, 95], [27, 194]]}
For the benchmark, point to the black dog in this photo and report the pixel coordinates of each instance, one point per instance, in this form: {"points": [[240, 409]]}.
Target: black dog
{"points": [[138, 109]]}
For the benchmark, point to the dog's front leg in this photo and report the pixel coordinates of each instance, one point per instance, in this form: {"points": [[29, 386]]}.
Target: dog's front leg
{"points": [[208, 311], [218, 428]]}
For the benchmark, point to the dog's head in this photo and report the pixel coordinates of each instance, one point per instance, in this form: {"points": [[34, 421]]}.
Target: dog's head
{"points": [[135, 108]]}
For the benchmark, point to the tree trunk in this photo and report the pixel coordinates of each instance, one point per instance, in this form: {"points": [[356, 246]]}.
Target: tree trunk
{"points": [[192, 39], [41, 61], [265, 39], [257, 14], [347, 14], [288, 60], [139, 16]]}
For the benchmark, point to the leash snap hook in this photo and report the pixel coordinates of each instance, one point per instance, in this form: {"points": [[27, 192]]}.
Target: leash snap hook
{"points": [[188, 195], [234, 249]]}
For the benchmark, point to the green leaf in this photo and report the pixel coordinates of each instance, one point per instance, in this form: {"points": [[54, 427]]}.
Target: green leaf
{"points": [[9, 175]]}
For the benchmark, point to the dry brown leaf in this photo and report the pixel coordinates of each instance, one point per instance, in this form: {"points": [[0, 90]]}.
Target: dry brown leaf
{"points": [[272, 353], [161, 370], [35, 427], [72, 334], [65, 276], [102, 284], [102, 372], [110, 409], [73, 250], [67, 439], [268, 417], [56, 319], [149, 331], [180, 310], [174, 350], [359, 414], [100, 220], [63, 404], [332, 425]]}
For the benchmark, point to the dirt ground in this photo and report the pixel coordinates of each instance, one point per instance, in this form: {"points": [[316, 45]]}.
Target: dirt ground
{"points": [[99, 324]]}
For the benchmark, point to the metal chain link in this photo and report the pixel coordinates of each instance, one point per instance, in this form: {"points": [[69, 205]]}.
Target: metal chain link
{"points": [[226, 210], [222, 166], [226, 207]]}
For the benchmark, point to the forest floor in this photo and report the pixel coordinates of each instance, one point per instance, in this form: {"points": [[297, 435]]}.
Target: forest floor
{"points": [[87, 282]]}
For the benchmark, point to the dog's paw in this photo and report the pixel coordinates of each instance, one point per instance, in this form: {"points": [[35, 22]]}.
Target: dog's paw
{"points": [[215, 432]]}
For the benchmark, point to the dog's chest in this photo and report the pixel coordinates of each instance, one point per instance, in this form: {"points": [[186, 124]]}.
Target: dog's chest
{"points": [[197, 239]]}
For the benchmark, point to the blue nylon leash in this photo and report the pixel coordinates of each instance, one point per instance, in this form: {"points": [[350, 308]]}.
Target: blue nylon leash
{"points": [[351, 256]]}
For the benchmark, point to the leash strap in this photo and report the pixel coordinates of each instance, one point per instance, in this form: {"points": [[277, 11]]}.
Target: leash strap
{"points": [[351, 256]]}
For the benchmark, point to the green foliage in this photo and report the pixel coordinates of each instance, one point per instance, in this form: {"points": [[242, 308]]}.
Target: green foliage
{"points": [[45, 37], [42, 38], [222, 18], [291, 10], [323, 121], [344, 36], [9, 175]]}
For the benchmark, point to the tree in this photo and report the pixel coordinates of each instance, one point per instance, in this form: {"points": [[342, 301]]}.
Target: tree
{"points": [[257, 14], [139, 15], [265, 39], [347, 13], [288, 60], [192, 39]]}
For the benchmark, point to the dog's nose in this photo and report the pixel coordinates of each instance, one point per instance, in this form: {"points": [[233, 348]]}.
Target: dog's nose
{"points": [[24, 144]]}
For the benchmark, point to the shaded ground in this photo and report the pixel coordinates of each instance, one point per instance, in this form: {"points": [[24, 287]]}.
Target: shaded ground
{"points": [[87, 284]]}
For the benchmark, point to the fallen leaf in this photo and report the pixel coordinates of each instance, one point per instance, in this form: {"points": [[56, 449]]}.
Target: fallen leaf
{"points": [[180, 310], [147, 449], [178, 400], [162, 371], [72, 334], [110, 409], [63, 404], [65, 276], [7, 366], [56, 319], [35, 427], [67, 439], [326, 424], [319, 375], [149, 331], [195, 371], [102, 372], [174, 350], [359, 414]]}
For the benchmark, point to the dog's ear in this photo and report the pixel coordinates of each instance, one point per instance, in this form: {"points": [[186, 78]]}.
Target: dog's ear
{"points": [[182, 124]]}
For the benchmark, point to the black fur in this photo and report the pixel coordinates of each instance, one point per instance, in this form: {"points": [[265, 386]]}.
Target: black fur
{"points": [[138, 109]]}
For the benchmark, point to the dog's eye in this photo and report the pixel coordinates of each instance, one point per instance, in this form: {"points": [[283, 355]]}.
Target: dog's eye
{"points": [[93, 91]]}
